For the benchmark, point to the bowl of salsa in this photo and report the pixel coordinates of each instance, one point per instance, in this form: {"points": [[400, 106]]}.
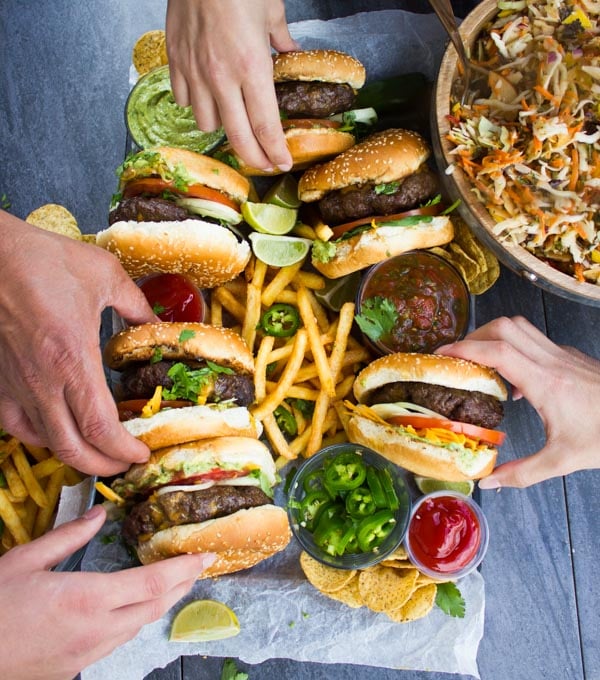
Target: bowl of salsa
{"points": [[348, 506], [173, 297], [414, 302], [447, 535]]}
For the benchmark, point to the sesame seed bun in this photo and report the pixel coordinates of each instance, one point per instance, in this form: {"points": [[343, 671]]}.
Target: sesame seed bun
{"points": [[385, 156], [207, 253], [326, 66]]}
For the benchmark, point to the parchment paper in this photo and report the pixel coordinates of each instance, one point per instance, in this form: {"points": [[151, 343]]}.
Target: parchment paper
{"points": [[280, 614]]}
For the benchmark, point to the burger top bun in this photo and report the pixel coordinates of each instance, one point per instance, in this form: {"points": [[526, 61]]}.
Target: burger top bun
{"points": [[385, 156], [179, 341], [327, 66], [435, 369], [199, 168]]}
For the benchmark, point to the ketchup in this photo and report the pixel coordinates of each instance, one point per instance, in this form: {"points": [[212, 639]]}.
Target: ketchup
{"points": [[444, 534], [173, 297]]}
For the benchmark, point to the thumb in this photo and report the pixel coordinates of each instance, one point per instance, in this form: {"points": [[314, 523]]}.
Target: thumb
{"points": [[130, 303], [526, 471], [281, 40], [48, 550]]}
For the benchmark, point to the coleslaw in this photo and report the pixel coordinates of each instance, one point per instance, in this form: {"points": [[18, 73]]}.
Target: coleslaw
{"points": [[531, 149]]}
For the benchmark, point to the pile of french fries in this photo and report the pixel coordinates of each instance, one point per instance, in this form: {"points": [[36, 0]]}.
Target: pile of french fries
{"points": [[317, 364], [31, 479]]}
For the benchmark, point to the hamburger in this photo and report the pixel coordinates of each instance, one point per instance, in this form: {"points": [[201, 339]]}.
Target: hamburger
{"points": [[315, 92], [176, 211], [180, 382], [214, 495], [380, 199], [431, 414]]}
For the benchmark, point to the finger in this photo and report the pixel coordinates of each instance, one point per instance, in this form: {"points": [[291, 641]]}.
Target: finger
{"points": [[16, 422], [179, 86], [545, 464], [281, 40], [128, 300], [54, 546], [153, 581], [205, 108]]}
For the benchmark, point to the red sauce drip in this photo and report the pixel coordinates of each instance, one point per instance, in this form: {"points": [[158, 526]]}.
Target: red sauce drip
{"points": [[173, 297]]}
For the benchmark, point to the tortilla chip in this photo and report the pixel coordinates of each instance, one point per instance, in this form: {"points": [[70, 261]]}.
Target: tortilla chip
{"points": [[349, 594], [324, 578], [467, 266], [56, 218], [417, 606], [386, 589], [398, 554], [150, 51], [88, 238]]}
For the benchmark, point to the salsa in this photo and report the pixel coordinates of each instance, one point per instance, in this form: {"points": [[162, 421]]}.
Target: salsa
{"points": [[173, 297], [444, 534], [418, 301]]}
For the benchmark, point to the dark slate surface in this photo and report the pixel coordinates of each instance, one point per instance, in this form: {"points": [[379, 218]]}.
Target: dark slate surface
{"points": [[63, 86]]}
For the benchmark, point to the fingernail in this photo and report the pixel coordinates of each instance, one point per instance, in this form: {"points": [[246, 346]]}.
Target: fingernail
{"points": [[489, 483], [285, 167], [270, 169], [93, 512]]}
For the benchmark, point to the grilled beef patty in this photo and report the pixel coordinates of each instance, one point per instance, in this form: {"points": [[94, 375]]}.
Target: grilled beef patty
{"points": [[147, 209], [299, 99]]}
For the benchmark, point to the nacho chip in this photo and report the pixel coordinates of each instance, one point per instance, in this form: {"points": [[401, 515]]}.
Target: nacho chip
{"points": [[398, 554], [349, 594], [488, 278], [324, 578], [150, 51], [56, 218], [468, 267], [88, 238], [417, 606], [386, 589]]}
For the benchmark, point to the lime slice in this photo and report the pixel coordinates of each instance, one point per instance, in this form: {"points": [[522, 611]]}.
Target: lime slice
{"points": [[279, 251], [284, 193], [429, 485], [269, 219], [202, 621]]}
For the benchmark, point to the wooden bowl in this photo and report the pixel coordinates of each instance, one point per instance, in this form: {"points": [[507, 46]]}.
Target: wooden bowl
{"points": [[458, 186]]}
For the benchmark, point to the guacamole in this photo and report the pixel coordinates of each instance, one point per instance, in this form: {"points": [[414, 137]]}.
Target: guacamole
{"points": [[154, 119]]}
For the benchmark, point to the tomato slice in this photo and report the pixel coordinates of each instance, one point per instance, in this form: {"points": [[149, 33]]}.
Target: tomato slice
{"points": [[494, 437], [309, 123], [136, 405], [341, 229], [156, 186]]}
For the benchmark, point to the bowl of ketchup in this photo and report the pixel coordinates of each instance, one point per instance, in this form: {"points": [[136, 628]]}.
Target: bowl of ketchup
{"points": [[447, 535], [173, 297]]}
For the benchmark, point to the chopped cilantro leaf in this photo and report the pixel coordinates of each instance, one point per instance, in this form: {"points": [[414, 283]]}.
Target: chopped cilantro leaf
{"points": [[157, 308], [388, 188], [186, 334], [377, 317], [156, 355], [219, 369], [452, 207], [449, 599], [305, 406], [109, 538], [4, 202], [230, 671], [189, 383]]}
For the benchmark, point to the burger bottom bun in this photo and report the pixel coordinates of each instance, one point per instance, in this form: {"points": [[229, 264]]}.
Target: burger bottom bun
{"points": [[421, 458], [307, 146], [239, 541], [180, 425], [207, 253], [376, 245]]}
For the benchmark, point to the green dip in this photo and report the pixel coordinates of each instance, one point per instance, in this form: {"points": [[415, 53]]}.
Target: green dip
{"points": [[154, 119]]}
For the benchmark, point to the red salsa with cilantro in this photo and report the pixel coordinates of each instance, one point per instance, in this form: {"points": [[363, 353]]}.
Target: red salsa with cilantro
{"points": [[173, 297], [444, 534], [413, 302]]}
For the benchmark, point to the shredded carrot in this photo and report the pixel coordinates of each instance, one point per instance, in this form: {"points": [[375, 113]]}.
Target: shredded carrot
{"points": [[574, 169], [578, 271], [547, 95]]}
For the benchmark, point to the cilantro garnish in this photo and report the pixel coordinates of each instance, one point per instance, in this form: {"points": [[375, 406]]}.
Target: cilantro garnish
{"points": [[188, 383], [450, 208], [4, 202], [157, 355], [449, 599], [186, 334], [109, 538], [377, 317], [305, 406], [158, 308], [388, 188], [230, 671]]}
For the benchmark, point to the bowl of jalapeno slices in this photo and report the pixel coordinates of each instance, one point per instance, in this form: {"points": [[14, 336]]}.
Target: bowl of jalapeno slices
{"points": [[348, 506]]}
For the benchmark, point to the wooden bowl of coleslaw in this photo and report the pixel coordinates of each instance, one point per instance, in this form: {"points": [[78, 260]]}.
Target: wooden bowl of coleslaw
{"points": [[525, 159]]}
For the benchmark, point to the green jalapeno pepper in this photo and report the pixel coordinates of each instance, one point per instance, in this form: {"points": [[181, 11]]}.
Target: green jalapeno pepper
{"points": [[280, 320], [376, 488], [313, 481], [360, 503], [345, 472], [310, 506], [334, 536], [373, 530], [387, 483], [286, 421]]}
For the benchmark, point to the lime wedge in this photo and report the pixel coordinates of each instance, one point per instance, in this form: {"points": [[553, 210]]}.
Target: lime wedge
{"points": [[202, 621], [279, 251], [269, 219], [429, 485], [283, 193]]}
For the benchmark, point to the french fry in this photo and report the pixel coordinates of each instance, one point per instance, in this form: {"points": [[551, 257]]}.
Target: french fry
{"points": [[32, 484], [12, 521], [310, 280], [272, 401], [15, 485], [296, 391], [52, 492], [310, 371], [285, 351], [304, 231], [318, 311], [299, 443], [229, 302], [45, 468], [32, 510], [276, 438], [72, 476], [260, 271], [252, 316], [343, 388], [7, 447], [317, 349], [8, 541], [39, 453], [280, 281], [216, 312], [287, 297], [323, 231], [260, 367], [237, 288]]}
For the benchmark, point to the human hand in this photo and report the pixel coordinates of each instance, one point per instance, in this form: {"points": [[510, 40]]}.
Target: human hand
{"points": [[54, 624], [53, 391], [561, 383], [220, 63]]}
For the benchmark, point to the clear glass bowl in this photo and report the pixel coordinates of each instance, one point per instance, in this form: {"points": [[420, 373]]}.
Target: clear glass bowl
{"points": [[359, 560]]}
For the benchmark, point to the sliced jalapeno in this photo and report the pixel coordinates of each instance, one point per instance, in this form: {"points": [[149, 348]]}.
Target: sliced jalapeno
{"points": [[310, 506], [376, 488], [286, 421], [335, 536], [388, 488], [360, 503], [373, 530], [345, 472], [280, 320], [313, 481]]}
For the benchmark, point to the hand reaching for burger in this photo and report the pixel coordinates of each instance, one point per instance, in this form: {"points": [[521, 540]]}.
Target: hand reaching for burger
{"points": [[537, 368], [54, 624], [53, 391], [220, 64]]}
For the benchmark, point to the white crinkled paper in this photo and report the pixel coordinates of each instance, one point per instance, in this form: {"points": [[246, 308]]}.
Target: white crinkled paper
{"points": [[280, 614]]}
